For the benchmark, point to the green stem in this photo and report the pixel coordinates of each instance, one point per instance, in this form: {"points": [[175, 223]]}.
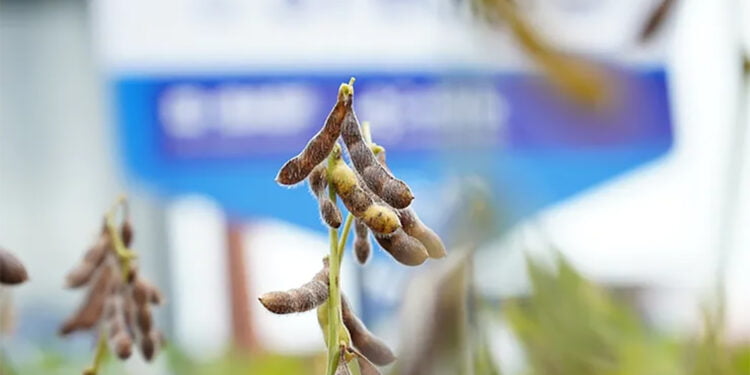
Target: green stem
{"points": [[345, 234], [101, 352], [124, 255], [334, 303], [334, 297], [338, 244]]}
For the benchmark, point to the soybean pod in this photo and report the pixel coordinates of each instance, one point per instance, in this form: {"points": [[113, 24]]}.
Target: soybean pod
{"points": [[318, 181], [392, 190], [307, 297], [321, 144], [379, 218], [362, 247], [368, 344]]}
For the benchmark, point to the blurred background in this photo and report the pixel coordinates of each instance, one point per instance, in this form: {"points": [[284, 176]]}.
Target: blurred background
{"points": [[585, 161]]}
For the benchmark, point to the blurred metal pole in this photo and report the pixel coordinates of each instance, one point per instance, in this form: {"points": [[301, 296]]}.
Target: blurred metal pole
{"points": [[242, 329], [734, 166]]}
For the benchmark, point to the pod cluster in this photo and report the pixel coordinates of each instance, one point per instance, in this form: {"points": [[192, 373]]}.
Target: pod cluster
{"points": [[365, 346], [366, 186], [413, 242], [377, 202], [12, 271], [118, 301]]}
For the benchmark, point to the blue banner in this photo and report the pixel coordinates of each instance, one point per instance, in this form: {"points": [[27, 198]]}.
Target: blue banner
{"points": [[226, 136]]}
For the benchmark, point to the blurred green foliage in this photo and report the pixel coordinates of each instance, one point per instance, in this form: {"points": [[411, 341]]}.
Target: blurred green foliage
{"points": [[568, 325], [234, 363]]}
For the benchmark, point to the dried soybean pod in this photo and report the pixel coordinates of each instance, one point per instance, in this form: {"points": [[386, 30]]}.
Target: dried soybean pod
{"points": [[307, 297], [12, 271], [155, 297], [366, 367], [318, 148], [150, 344], [403, 247], [318, 182], [362, 247], [378, 217], [126, 232], [92, 308], [141, 292], [368, 344], [414, 227], [411, 223], [82, 274], [145, 292], [120, 338], [392, 190], [144, 320]]}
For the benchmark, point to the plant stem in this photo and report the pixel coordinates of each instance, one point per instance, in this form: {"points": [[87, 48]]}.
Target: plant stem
{"points": [[338, 244], [101, 352], [334, 303], [124, 255], [334, 298], [345, 234]]}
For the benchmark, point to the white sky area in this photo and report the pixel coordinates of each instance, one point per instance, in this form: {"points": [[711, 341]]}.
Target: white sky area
{"points": [[659, 224]]}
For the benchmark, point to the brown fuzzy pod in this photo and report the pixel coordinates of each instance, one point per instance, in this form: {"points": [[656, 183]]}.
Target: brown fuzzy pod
{"points": [[318, 148], [305, 298], [378, 217], [120, 336], [145, 292], [150, 345], [368, 344], [122, 345], [144, 319], [414, 227], [12, 271], [318, 182], [126, 232], [82, 274], [392, 190], [365, 366], [92, 308], [404, 248], [362, 247]]}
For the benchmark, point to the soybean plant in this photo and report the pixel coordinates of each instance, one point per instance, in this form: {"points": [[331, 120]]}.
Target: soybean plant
{"points": [[377, 203], [118, 302]]}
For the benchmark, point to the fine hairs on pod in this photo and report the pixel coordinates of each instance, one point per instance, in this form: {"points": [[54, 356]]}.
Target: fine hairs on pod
{"points": [[362, 246], [392, 190], [375, 200], [406, 249], [318, 181], [413, 226], [305, 298], [321, 144], [380, 218]]}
